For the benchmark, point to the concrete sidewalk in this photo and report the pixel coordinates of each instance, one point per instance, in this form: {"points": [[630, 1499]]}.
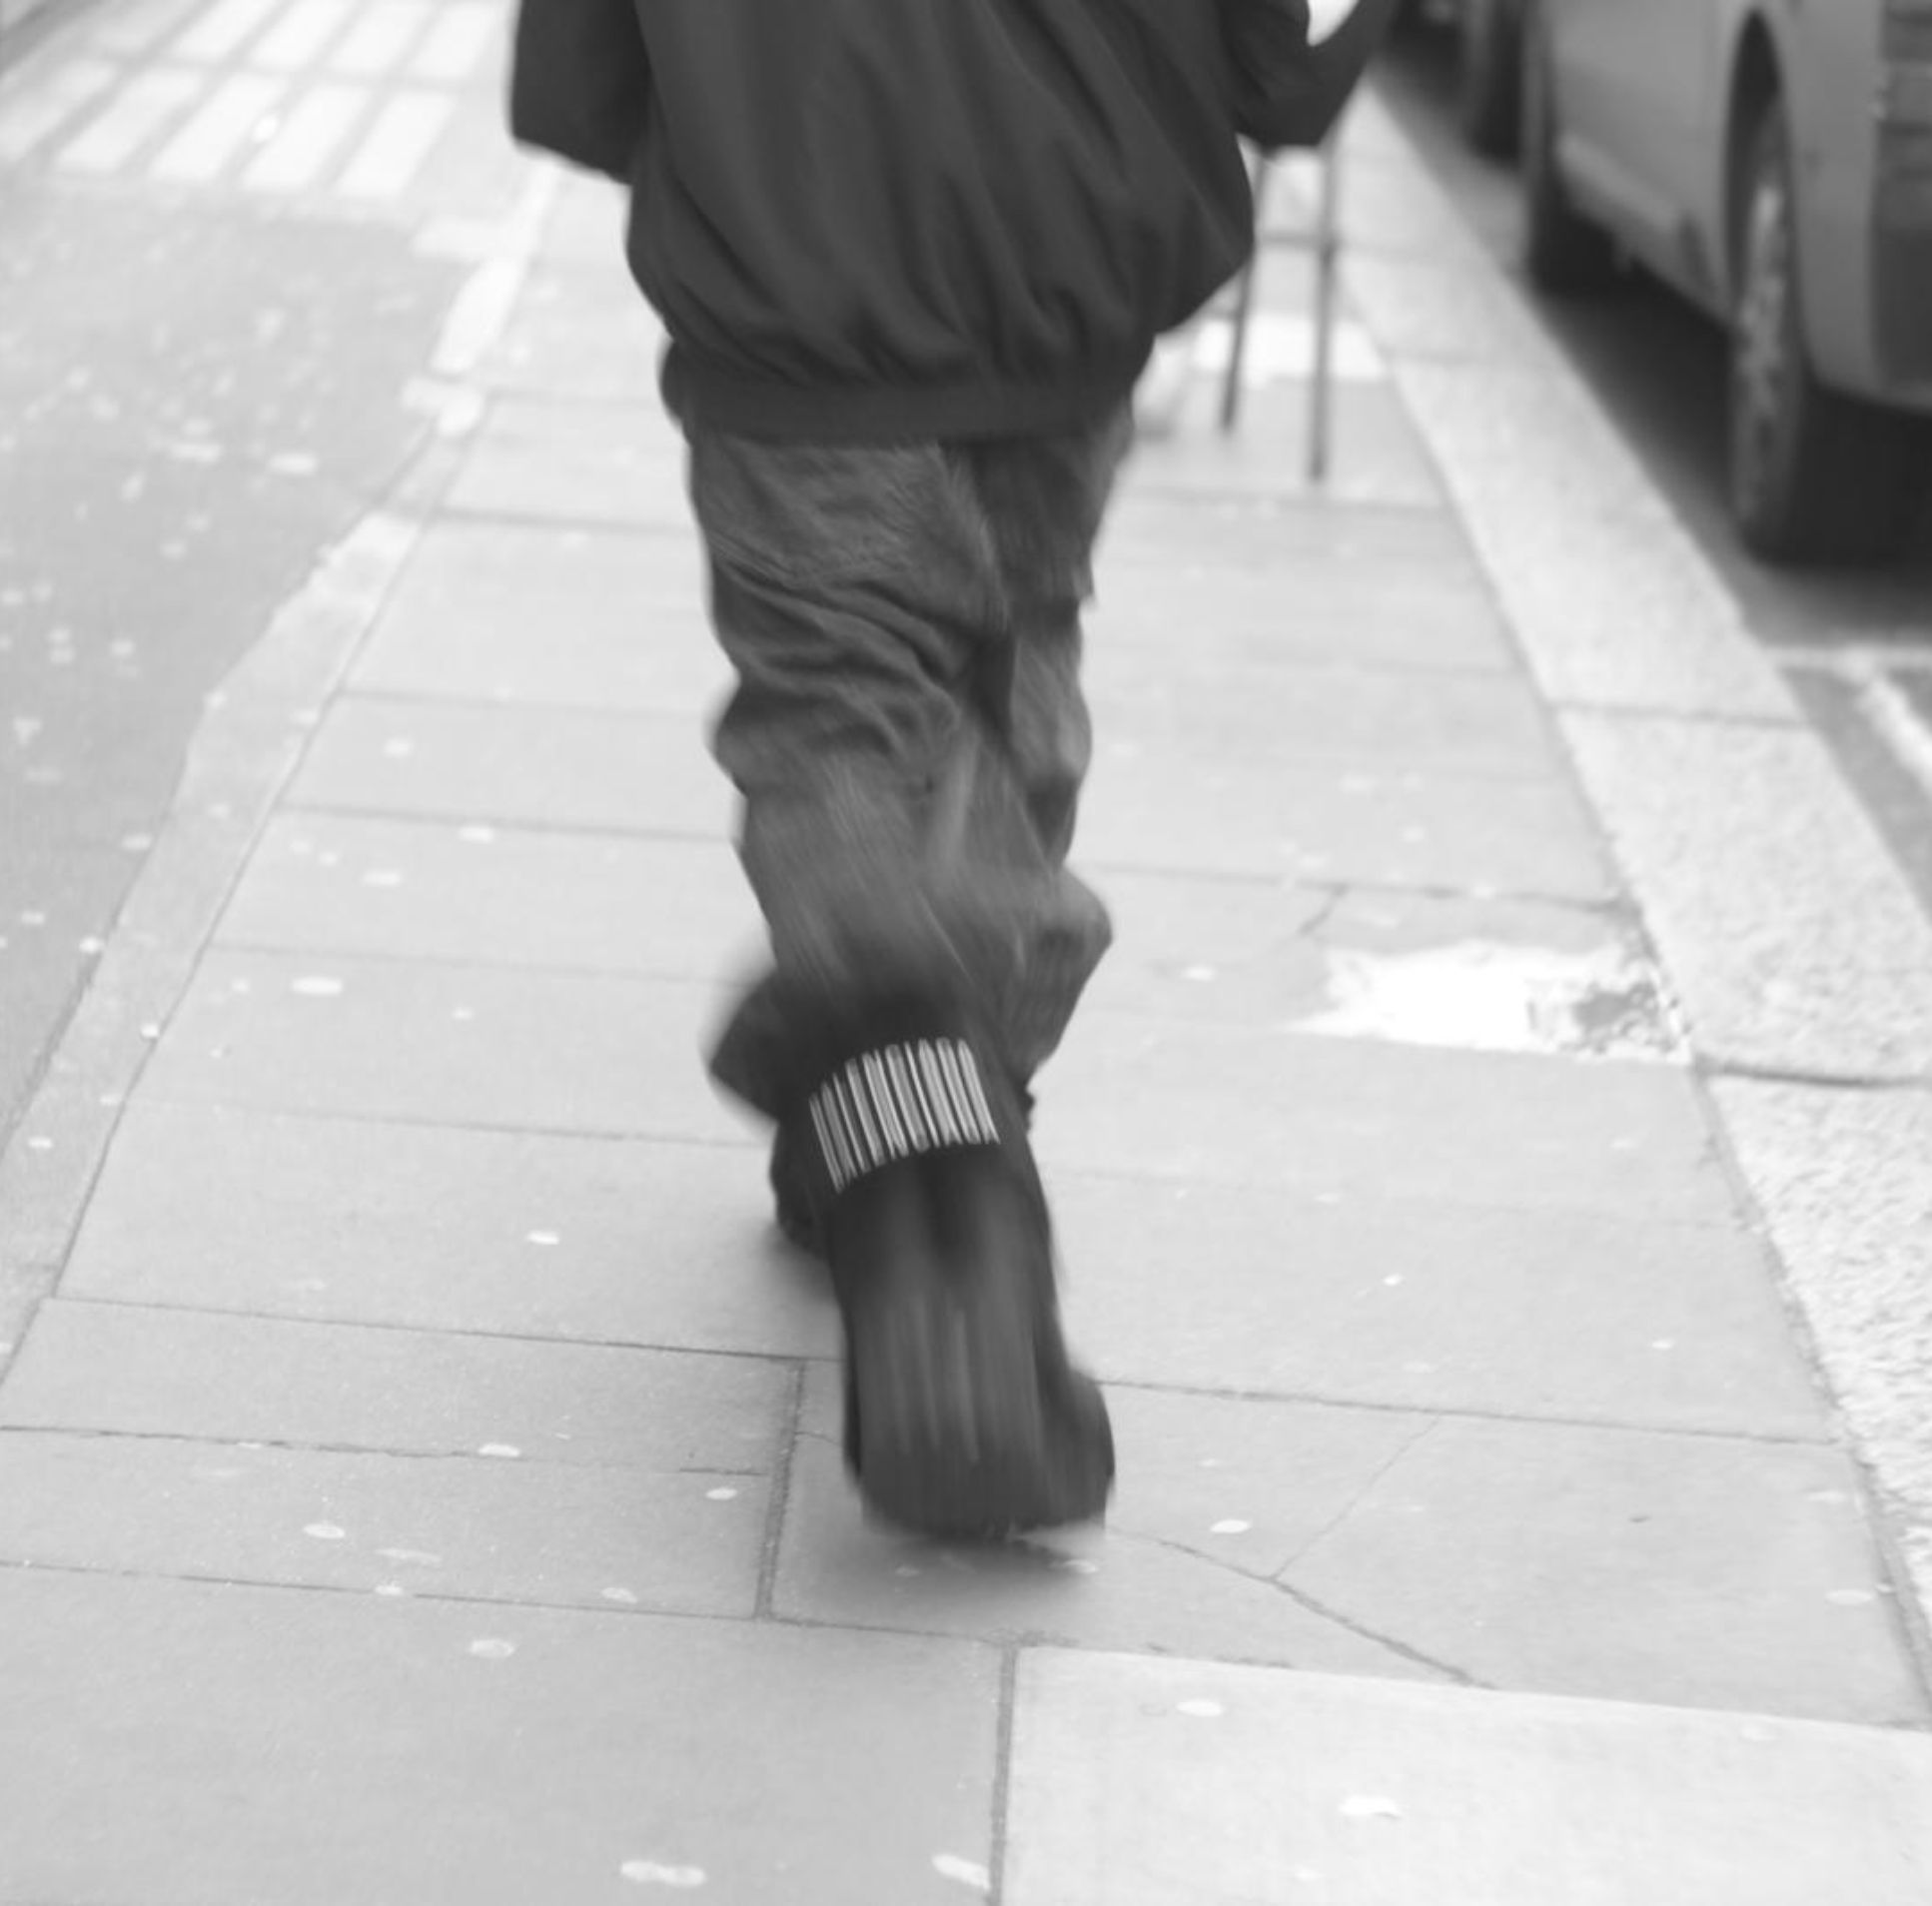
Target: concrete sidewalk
{"points": [[422, 1482]]}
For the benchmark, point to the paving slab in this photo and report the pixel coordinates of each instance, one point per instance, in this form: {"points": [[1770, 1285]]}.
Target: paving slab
{"points": [[1282, 539], [1377, 455], [421, 890], [1306, 610], [1427, 1305], [1140, 1782], [483, 1528], [556, 618], [1632, 1564], [583, 229], [1358, 820], [1274, 711], [510, 1048], [1151, 1580], [588, 462], [599, 1240], [1432, 969], [391, 1752], [480, 764], [578, 333], [135, 1369], [1137, 1097]]}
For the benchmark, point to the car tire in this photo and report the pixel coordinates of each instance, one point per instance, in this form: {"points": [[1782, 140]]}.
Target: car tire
{"points": [[1815, 477], [1562, 252], [1489, 82]]}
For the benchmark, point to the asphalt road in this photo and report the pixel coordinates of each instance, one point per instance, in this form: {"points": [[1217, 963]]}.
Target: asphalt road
{"points": [[1857, 646], [199, 389]]}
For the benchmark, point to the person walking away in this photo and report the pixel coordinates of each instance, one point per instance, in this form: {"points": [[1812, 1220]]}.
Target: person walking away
{"points": [[912, 256]]}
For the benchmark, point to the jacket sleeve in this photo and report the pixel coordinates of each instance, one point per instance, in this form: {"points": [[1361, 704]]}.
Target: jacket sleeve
{"points": [[580, 82], [1289, 92]]}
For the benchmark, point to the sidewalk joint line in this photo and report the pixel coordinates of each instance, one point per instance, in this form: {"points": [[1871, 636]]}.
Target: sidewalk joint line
{"points": [[588, 830], [1306, 1603], [1214, 495], [469, 702], [459, 1331], [1460, 1677], [1424, 1431], [478, 517], [778, 1494], [415, 699], [598, 1610], [195, 1439], [456, 512], [1436, 1412], [1442, 1412], [601, 1610], [469, 963], [1751, 720], [1006, 1714], [1900, 1085], [418, 1121], [1604, 899]]}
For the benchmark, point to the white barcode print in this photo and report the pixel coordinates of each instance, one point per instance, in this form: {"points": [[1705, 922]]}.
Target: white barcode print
{"points": [[899, 1102]]}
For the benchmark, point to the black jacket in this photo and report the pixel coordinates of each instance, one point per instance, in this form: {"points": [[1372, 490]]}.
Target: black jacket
{"points": [[866, 220]]}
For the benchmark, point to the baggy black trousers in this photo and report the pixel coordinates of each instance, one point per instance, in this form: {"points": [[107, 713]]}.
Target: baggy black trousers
{"points": [[908, 733]]}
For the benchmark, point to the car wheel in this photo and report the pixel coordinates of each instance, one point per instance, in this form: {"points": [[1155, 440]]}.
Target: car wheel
{"points": [[1562, 250], [1491, 80], [1814, 477]]}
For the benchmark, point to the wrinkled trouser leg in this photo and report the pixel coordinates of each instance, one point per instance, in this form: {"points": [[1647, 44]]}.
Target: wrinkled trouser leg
{"points": [[907, 732]]}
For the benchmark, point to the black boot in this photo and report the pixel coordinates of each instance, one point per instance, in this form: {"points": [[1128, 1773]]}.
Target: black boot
{"points": [[965, 1415]]}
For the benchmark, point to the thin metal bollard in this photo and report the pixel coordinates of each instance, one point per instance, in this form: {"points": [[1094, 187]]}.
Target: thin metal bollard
{"points": [[1244, 301], [1328, 249], [1324, 241]]}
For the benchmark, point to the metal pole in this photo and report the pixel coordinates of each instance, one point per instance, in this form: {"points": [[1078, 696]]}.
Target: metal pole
{"points": [[1327, 245], [1243, 304]]}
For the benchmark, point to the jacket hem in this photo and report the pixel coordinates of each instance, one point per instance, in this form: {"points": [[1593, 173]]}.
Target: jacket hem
{"points": [[703, 398]]}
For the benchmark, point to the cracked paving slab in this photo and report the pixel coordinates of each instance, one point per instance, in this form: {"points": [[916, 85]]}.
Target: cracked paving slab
{"points": [[1627, 1564], [475, 1527], [584, 1239], [1490, 973], [1157, 1577], [138, 1371]]}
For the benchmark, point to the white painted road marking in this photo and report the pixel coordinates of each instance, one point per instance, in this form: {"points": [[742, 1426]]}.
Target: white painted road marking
{"points": [[202, 148], [323, 118], [28, 115], [224, 30], [142, 108], [380, 38], [395, 146], [456, 43], [134, 29], [300, 33]]}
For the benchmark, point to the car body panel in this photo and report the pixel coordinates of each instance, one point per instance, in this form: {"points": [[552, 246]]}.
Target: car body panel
{"points": [[1654, 99]]}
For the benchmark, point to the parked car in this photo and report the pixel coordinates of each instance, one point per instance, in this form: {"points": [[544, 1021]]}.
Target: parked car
{"points": [[1489, 63], [1773, 161]]}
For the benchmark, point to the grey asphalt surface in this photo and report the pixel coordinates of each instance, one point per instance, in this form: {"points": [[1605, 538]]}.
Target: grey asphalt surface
{"points": [[197, 395]]}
